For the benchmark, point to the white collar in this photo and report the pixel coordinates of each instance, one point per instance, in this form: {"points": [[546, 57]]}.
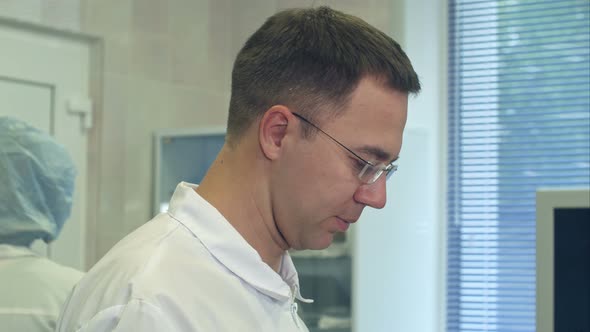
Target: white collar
{"points": [[10, 251], [228, 246]]}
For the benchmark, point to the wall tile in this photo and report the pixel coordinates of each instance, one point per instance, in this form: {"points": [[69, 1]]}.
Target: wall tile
{"points": [[117, 56], [188, 17], [285, 4], [149, 109], [150, 56], [111, 19], [189, 54], [196, 108], [25, 10], [245, 17], [150, 16], [64, 14], [112, 169], [220, 56]]}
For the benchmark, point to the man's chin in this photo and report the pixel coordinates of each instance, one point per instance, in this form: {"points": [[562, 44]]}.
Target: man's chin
{"points": [[321, 244]]}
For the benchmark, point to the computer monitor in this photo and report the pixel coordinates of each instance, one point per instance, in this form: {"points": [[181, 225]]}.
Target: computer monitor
{"points": [[563, 260]]}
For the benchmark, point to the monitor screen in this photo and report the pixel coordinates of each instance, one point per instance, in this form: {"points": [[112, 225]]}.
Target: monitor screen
{"points": [[571, 269], [563, 260]]}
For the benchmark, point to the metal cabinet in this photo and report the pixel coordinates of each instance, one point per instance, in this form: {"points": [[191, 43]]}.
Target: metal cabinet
{"points": [[326, 277]]}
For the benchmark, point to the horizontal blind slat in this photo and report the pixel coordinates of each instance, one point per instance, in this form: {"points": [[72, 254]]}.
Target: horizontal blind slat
{"points": [[519, 118]]}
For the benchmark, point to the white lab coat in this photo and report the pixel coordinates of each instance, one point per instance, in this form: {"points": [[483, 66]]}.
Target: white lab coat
{"points": [[185, 270], [33, 290]]}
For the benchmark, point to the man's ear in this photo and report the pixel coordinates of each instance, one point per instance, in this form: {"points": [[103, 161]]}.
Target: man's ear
{"points": [[272, 129]]}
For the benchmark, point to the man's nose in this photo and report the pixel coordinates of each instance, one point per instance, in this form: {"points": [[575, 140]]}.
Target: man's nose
{"points": [[373, 195]]}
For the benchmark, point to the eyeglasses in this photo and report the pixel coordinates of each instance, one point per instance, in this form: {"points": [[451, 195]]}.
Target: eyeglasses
{"points": [[368, 172]]}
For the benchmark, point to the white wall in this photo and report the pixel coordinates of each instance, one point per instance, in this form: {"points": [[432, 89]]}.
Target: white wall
{"points": [[400, 250]]}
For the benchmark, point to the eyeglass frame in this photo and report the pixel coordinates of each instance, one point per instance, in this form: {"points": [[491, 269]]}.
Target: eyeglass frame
{"points": [[388, 169]]}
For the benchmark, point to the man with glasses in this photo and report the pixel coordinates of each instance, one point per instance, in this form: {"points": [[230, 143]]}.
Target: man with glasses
{"points": [[317, 111]]}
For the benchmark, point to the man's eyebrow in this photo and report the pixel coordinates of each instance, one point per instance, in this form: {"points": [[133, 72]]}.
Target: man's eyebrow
{"points": [[378, 153]]}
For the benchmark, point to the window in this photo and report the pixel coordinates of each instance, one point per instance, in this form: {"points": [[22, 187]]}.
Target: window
{"points": [[519, 119]]}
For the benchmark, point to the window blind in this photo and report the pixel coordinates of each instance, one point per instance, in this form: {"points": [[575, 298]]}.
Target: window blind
{"points": [[519, 119]]}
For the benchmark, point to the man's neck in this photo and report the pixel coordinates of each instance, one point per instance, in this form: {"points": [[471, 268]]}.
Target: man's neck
{"points": [[243, 199]]}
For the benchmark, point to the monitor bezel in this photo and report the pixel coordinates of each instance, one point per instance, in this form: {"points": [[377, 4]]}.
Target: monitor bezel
{"points": [[547, 201]]}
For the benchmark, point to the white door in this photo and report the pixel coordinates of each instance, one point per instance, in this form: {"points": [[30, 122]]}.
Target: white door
{"points": [[44, 80]]}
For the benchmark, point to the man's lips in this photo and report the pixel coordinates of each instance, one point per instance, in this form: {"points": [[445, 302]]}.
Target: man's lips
{"points": [[349, 220], [343, 224]]}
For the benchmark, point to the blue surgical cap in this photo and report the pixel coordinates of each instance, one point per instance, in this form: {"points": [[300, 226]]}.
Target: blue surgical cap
{"points": [[36, 184]]}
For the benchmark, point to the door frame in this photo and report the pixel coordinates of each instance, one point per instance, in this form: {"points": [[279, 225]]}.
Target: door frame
{"points": [[93, 149]]}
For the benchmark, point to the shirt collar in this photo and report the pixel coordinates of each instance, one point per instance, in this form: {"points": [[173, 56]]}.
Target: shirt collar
{"points": [[228, 246], [10, 251]]}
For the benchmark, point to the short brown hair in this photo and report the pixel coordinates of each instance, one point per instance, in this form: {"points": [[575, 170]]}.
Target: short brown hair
{"points": [[306, 58]]}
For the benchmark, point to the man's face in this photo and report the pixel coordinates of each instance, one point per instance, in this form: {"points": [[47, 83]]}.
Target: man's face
{"points": [[316, 190]]}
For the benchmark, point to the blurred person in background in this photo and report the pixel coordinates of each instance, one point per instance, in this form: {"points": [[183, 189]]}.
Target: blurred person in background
{"points": [[36, 187]]}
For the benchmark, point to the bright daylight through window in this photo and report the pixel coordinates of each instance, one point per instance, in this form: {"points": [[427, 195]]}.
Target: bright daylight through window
{"points": [[519, 120]]}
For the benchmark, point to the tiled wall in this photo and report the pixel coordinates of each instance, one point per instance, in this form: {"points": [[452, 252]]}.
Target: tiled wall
{"points": [[167, 64], [63, 14]]}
